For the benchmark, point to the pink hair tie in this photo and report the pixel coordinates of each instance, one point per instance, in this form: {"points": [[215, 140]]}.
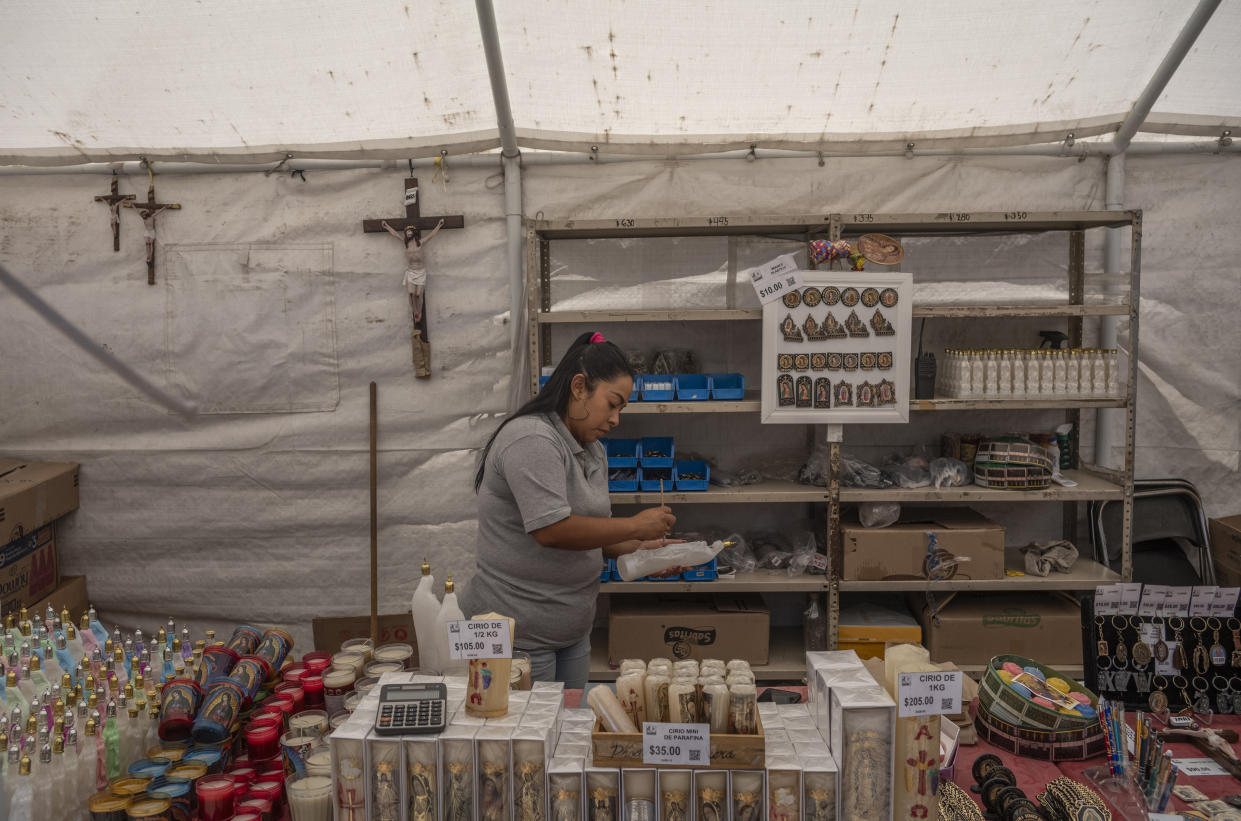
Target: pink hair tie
{"points": [[597, 337]]}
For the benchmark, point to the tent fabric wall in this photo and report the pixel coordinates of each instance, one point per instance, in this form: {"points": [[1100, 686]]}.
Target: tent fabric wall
{"points": [[231, 80], [262, 516]]}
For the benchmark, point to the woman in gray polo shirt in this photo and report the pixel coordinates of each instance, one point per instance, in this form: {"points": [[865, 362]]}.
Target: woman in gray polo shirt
{"points": [[544, 518]]}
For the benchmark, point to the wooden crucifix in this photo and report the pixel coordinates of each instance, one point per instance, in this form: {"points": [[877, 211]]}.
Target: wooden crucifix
{"points": [[409, 231], [148, 211], [114, 201]]}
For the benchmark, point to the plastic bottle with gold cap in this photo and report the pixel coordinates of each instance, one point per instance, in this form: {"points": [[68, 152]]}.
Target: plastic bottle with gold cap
{"points": [[13, 696], [60, 776], [85, 637], [37, 676], [101, 635], [449, 611], [21, 796], [424, 607]]}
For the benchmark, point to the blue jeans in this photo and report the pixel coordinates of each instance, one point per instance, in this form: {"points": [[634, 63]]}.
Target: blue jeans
{"points": [[568, 664]]}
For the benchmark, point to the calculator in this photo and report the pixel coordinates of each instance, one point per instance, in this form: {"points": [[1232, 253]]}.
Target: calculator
{"points": [[412, 709]]}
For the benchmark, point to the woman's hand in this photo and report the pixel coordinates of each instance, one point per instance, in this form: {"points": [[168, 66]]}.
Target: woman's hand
{"points": [[653, 523]]}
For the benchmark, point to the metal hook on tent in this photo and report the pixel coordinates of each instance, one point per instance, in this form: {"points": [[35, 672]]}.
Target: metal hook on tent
{"points": [[441, 169], [143, 162], [1225, 140], [1069, 140], [822, 162], [278, 165], [297, 172], [752, 156], [411, 166], [909, 151], [594, 153]]}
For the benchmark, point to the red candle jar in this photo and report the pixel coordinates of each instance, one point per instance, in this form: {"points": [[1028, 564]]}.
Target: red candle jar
{"points": [[248, 815], [294, 691], [263, 741], [312, 690], [281, 705], [270, 789], [243, 776], [215, 797], [318, 661], [270, 765], [294, 672], [260, 807], [269, 719]]}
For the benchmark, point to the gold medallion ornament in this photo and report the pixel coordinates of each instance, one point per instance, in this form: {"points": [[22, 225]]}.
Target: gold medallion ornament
{"points": [[1101, 647], [1122, 652], [1158, 701]]}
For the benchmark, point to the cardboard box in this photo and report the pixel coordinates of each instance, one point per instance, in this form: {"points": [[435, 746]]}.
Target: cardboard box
{"points": [[71, 595], [1045, 627], [28, 571], [33, 494], [1226, 550], [724, 627], [866, 629], [900, 550], [330, 633]]}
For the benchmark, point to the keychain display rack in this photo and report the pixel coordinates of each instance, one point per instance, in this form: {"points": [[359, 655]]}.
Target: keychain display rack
{"points": [[1164, 663]]}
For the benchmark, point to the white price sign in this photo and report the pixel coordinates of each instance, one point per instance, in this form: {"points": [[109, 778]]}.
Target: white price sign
{"points": [[1225, 602], [481, 639], [1130, 597], [775, 279], [1107, 599], [1177, 602], [1199, 766], [928, 694], [1153, 598], [1201, 600], [681, 744]]}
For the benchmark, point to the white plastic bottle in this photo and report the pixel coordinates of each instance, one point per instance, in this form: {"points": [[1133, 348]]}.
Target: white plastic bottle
{"points": [[425, 608], [21, 797], [1113, 374], [976, 375], [1074, 385], [449, 611], [1006, 375]]}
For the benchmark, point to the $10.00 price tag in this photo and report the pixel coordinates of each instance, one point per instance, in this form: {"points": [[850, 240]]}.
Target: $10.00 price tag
{"points": [[481, 639], [775, 279], [928, 694], [684, 744]]}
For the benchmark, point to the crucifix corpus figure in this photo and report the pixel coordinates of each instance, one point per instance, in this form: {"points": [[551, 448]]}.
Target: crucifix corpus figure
{"points": [[114, 201], [409, 231], [148, 211]]}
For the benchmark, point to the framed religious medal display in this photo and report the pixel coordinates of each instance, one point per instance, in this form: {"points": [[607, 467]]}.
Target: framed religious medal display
{"points": [[838, 350]]}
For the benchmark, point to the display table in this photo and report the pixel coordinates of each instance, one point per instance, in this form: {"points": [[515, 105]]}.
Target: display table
{"points": [[1032, 774]]}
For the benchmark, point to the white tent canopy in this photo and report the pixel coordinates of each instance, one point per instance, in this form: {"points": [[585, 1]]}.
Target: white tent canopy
{"points": [[209, 81]]}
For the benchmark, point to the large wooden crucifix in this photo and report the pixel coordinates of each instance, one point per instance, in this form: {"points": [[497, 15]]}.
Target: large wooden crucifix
{"points": [[148, 211], [409, 231], [114, 201]]}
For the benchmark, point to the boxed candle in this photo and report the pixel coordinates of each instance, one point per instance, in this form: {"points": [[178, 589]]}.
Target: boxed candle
{"points": [[348, 744], [565, 788], [385, 784], [863, 722], [821, 788], [457, 767], [493, 752]]}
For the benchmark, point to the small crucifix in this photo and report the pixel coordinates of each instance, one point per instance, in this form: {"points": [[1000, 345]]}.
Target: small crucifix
{"points": [[114, 201], [148, 211], [409, 231]]}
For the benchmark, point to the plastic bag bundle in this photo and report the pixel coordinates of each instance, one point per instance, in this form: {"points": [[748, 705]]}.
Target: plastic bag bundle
{"points": [[735, 478], [910, 472], [856, 473], [806, 556], [773, 552], [948, 472], [737, 555], [878, 514]]}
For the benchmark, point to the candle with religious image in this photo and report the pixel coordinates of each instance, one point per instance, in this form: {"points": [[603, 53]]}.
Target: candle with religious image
{"points": [[309, 798], [487, 682]]}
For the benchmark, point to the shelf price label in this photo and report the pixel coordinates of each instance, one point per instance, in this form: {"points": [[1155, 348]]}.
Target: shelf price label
{"points": [[1225, 603], [479, 639], [928, 694], [1153, 598], [681, 744], [1201, 600], [775, 279], [1130, 598], [1107, 599]]}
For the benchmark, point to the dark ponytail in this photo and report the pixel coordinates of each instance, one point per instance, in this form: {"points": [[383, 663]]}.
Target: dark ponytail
{"points": [[599, 361]]}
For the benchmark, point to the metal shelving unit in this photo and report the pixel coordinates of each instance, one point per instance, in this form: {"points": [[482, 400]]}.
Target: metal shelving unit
{"points": [[1092, 483]]}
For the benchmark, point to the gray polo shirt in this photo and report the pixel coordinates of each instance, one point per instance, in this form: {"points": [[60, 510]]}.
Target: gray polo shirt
{"points": [[536, 475]]}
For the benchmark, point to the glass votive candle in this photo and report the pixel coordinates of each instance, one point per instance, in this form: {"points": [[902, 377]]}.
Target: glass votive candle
{"points": [[377, 668], [149, 767], [351, 661], [243, 776], [271, 765], [295, 672], [273, 719], [271, 789], [213, 757], [263, 741], [189, 770], [365, 685], [364, 646], [519, 672], [128, 786], [281, 704], [312, 691], [337, 719], [295, 746], [395, 651], [352, 701], [248, 815], [104, 806], [294, 691], [314, 721], [215, 797], [149, 805], [262, 807], [337, 683], [317, 661], [319, 762], [309, 798]]}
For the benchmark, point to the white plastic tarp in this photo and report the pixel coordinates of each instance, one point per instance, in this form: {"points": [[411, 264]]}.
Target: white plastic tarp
{"points": [[323, 78], [260, 514]]}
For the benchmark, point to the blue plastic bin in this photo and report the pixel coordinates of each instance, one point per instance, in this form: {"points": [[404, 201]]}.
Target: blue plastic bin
{"points": [[636, 393], [606, 573], [692, 387], [649, 479], [659, 444], [698, 467], [543, 381], [701, 573], [627, 481], [622, 453], [727, 385], [664, 390]]}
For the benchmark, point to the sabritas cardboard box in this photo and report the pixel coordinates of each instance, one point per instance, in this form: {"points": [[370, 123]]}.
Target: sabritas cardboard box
{"points": [[28, 569], [974, 627], [971, 540], [724, 627], [33, 494], [1226, 550]]}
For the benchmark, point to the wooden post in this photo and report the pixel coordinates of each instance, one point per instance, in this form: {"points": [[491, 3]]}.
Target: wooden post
{"points": [[374, 520]]}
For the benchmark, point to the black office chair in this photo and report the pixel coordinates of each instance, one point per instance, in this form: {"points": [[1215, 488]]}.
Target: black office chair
{"points": [[1167, 514]]}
